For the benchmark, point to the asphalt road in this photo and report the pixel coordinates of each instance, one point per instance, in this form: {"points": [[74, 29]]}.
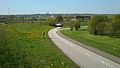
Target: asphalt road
{"points": [[81, 56]]}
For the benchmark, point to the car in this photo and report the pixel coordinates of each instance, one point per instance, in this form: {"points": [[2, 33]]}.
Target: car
{"points": [[58, 25]]}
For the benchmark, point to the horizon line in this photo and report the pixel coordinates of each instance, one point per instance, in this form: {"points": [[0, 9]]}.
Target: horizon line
{"points": [[56, 13]]}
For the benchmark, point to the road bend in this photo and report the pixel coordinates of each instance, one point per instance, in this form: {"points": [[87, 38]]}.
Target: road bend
{"points": [[81, 56]]}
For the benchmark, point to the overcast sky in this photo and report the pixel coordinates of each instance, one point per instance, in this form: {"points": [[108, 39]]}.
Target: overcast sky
{"points": [[59, 6]]}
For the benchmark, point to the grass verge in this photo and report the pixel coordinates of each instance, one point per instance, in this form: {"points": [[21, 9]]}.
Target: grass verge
{"points": [[104, 43]]}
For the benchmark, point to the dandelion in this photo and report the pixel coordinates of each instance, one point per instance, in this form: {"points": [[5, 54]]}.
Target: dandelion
{"points": [[51, 64], [114, 48], [62, 63]]}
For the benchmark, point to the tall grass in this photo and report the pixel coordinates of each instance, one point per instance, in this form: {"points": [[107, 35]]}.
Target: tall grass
{"points": [[26, 47], [11, 52]]}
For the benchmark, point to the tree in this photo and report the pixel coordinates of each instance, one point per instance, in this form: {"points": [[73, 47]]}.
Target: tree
{"points": [[71, 24], [77, 24], [51, 21], [59, 19], [115, 26], [74, 23], [97, 24]]}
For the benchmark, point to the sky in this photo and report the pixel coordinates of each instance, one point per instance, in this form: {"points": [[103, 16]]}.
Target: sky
{"points": [[59, 6]]}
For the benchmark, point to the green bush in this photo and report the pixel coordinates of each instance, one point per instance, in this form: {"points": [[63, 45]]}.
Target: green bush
{"points": [[115, 26], [107, 29], [97, 24], [100, 28]]}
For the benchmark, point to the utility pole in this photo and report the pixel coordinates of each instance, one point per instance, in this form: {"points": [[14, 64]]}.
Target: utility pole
{"points": [[33, 18], [9, 15], [8, 11], [23, 19]]}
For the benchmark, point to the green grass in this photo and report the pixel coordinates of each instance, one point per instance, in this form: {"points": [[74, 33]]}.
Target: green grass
{"points": [[104, 43], [26, 47]]}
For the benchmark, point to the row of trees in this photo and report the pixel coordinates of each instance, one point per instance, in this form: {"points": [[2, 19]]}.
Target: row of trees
{"points": [[102, 25], [20, 19], [14, 19]]}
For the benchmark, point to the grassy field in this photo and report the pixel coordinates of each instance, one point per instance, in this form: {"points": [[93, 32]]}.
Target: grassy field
{"points": [[104, 43], [26, 47]]}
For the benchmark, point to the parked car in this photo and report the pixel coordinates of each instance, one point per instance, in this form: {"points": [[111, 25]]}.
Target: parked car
{"points": [[58, 25]]}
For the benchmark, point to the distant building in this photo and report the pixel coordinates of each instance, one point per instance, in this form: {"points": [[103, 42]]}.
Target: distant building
{"points": [[3, 19]]}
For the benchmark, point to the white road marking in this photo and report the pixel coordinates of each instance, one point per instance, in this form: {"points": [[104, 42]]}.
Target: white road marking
{"points": [[102, 62], [88, 54], [71, 45], [106, 64]]}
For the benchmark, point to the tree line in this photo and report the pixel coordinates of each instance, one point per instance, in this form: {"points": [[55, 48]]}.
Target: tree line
{"points": [[97, 25]]}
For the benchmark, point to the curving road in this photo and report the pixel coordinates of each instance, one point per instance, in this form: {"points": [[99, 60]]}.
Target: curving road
{"points": [[81, 56]]}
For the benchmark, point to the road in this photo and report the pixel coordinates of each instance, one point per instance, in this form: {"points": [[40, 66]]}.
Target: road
{"points": [[81, 56]]}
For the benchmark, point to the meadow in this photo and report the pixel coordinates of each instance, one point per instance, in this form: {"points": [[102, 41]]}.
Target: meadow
{"points": [[25, 46]]}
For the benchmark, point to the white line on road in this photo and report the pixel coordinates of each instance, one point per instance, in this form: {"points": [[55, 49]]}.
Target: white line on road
{"points": [[88, 54], [71, 45], [106, 64]]}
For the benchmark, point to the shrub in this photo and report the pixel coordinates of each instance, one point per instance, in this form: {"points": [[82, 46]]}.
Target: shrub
{"points": [[97, 24], [107, 29], [115, 26], [100, 28]]}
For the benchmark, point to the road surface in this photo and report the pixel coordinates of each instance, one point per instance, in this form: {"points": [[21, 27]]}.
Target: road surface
{"points": [[81, 56]]}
